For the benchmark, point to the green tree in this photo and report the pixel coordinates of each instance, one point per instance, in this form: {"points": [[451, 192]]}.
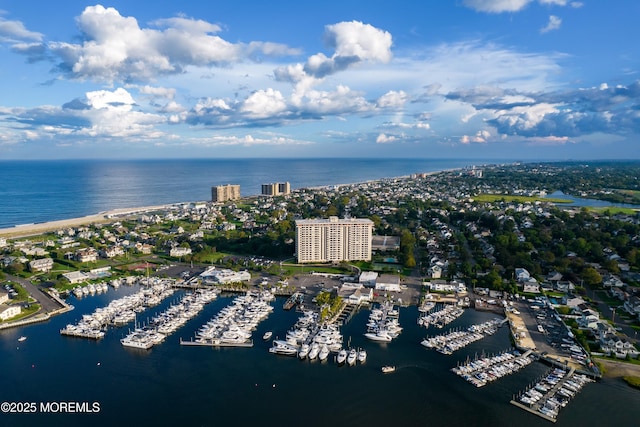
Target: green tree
{"points": [[591, 276]]}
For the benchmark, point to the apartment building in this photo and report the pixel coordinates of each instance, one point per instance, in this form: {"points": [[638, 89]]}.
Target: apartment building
{"points": [[333, 239]]}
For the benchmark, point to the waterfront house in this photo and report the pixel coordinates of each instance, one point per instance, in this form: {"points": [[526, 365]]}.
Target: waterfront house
{"points": [[75, 277]]}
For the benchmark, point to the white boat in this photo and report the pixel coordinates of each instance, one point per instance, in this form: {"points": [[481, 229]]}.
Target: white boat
{"points": [[342, 356], [315, 349], [304, 351], [352, 357], [283, 347], [387, 369], [22, 338], [324, 352], [382, 336], [267, 335], [362, 355]]}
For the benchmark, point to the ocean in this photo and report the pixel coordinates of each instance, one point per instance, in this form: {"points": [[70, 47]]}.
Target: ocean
{"points": [[196, 386], [40, 191]]}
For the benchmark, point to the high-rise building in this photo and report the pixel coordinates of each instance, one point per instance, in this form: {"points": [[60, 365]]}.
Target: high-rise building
{"points": [[333, 239], [222, 193], [276, 189]]}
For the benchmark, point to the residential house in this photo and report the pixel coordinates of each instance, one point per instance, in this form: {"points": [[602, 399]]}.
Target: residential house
{"points": [[42, 264], [522, 275], [179, 251], [86, 255], [632, 306], [113, 251]]}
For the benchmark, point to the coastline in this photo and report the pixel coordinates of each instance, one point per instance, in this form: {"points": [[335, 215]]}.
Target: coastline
{"points": [[35, 229], [616, 369]]}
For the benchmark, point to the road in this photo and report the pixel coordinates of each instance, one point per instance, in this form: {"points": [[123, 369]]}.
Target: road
{"points": [[47, 303]]}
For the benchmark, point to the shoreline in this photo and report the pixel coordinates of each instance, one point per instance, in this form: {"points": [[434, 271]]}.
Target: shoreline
{"points": [[34, 229], [26, 230]]}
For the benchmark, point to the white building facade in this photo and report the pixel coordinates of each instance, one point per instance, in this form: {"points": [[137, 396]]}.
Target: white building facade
{"points": [[333, 239]]}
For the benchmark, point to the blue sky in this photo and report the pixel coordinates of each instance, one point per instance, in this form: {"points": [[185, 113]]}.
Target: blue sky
{"points": [[512, 79]]}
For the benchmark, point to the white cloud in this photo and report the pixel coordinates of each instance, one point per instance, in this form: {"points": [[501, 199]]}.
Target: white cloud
{"points": [[158, 92], [392, 99], [264, 104], [116, 48], [15, 31], [119, 99], [247, 141], [480, 137], [553, 24], [385, 139], [497, 6], [500, 6], [353, 42]]}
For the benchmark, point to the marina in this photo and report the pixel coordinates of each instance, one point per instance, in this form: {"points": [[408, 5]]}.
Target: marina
{"points": [[484, 370], [447, 314], [235, 323], [121, 311], [168, 321], [551, 393], [411, 370], [457, 339], [383, 324]]}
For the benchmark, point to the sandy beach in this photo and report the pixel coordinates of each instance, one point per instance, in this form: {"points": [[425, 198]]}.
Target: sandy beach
{"points": [[102, 217]]}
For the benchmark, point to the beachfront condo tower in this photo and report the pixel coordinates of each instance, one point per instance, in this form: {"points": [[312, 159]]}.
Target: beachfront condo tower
{"points": [[223, 193]]}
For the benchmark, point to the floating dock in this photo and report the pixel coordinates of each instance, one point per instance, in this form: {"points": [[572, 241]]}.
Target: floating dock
{"points": [[216, 343]]}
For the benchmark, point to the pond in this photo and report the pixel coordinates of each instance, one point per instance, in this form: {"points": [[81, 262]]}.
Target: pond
{"points": [[578, 201]]}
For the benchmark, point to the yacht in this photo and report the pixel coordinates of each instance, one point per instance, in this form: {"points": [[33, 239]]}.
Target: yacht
{"points": [[267, 335], [283, 347], [362, 355], [380, 335], [342, 356], [315, 349], [324, 352], [304, 351], [352, 357], [22, 338], [388, 369]]}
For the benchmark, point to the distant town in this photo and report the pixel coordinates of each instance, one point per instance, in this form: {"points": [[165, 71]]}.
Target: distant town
{"points": [[489, 237]]}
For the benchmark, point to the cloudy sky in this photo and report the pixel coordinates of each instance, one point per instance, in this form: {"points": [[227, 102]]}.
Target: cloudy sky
{"points": [[477, 79]]}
